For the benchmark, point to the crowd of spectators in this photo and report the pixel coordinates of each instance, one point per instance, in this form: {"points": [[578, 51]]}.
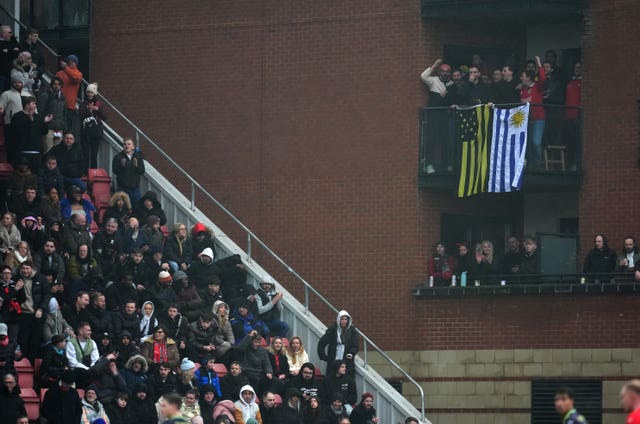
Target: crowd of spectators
{"points": [[522, 258], [137, 317], [544, 84]]}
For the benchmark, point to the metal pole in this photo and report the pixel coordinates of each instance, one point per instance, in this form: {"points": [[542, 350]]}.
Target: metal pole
{"points": [[365, 354], [248, 246], [138, 140], [193, 197], [306, 299]]}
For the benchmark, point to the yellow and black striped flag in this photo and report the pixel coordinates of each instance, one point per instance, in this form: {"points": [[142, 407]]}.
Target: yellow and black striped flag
{"points": [[473, 131]]}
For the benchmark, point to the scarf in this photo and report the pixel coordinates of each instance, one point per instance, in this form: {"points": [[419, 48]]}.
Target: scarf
{"points": [[159, 352], [19, 257], [144, 324]]}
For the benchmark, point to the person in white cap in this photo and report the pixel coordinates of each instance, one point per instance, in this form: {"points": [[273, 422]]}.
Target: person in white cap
{"points": [[92, 115]]}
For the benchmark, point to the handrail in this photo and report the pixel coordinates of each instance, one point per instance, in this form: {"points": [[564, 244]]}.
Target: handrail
{"points": [[250, 235]]}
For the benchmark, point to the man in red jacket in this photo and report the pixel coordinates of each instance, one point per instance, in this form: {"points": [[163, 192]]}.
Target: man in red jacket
{"points": [[71, 80], [532, 92]]}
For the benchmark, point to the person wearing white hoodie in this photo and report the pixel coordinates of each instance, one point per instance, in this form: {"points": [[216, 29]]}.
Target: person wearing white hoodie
{"points": [[204, 270], [340, 342], [246, 407]]}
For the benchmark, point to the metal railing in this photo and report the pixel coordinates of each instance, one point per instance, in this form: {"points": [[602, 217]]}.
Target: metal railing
{"points": [[252, 239], [439, 140]]}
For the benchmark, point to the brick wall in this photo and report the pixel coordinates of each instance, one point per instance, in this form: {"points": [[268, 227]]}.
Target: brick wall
{"points": [[301, 117]]}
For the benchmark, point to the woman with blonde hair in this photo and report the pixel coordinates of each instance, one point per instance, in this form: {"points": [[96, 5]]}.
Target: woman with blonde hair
{"points": [[19, 255], [296, 355], [9, 233], [486, 261], [119, 208]]}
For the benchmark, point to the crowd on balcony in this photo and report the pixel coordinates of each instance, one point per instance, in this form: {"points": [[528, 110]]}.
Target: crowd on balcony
{"points": [[153, 326], [554, 118], [521, 262]]}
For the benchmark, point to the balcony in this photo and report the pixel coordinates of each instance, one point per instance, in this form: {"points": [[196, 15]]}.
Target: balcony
{"points": [[501, 10], [562, 143], [539, 284]]}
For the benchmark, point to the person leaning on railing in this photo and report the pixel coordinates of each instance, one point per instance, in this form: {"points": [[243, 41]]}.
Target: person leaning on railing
{"points": [[601, 259]]}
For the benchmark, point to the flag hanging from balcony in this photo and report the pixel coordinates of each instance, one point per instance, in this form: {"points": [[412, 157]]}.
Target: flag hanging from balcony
{"points": [[508, 149], [473, 130]]}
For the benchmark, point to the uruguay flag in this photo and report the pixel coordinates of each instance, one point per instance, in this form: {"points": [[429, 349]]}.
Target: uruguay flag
{"points": [[508, 148]]}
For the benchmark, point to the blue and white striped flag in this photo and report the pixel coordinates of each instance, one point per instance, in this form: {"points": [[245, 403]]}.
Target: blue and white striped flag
{"points": [[508, 149]]}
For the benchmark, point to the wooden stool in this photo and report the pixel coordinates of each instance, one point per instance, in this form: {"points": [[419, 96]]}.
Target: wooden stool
{"points": [[554, 155]]}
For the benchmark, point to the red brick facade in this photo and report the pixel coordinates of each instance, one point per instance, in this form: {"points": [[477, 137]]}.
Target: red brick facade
{"points": [[301, 117]]}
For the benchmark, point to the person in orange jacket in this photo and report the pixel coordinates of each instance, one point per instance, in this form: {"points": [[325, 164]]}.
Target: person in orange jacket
{"points": [[71, 79]]}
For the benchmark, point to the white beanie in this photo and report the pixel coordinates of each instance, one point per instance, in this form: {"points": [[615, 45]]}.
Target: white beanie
{"points": [[164, 277], [187, 365], [92, 88]]}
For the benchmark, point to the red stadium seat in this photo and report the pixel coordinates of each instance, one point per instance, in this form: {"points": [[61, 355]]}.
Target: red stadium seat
{"points": [[5, 170], [23, 364], [220, 369], [278, 399], [42, 393], [98, 174], [33, 410], [25, 379]]}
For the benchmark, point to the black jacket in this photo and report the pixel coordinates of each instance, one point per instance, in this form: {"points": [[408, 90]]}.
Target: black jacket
{"points": [[25, 134], [360, 415], [11, 404], [287, 415], [41, 261], [161, 387], [56, 105], [142, 411], [128, 171], [172, 250], [53, 365], [230, 386], [62, 407], [100, 320], [130, 323], [142, 213], [70, 161], [598, 261], [40, 292], [329, 342]]}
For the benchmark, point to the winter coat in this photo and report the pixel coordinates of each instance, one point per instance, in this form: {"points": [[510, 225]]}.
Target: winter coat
{"points": [[247, 410], [329, 341], [73, 236], [308, 388], [87, 207], [208, 377], [254, 361], [178, 251], [132, 378], [70, 160], [177, 329], [360, 415], [50, 103], [24, 134], [285, 413], [62, 406], [53, 365], [142, 411], [41, 261], [128, 170], [173, 356], [142, 213], [200, 337], [90, 412], [100, 320], [230, 385], [600, 261], [159, 387]]}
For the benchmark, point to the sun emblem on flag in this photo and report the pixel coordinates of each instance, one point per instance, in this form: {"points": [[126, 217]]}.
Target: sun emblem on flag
{"points": [[517, 119]]}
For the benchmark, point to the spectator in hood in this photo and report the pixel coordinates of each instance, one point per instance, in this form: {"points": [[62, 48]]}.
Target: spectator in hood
{"points": [[340, 341], [52, 102], [148, 206], [141, 408], [119, 209], [187, 296], [269, 303], [61, 403], [203, 270], [247, 407], [201, 238], [290, 412], [135, 372]]}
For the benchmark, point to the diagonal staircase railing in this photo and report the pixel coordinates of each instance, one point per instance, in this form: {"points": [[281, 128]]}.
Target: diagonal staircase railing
{"points": [[252, 240]]}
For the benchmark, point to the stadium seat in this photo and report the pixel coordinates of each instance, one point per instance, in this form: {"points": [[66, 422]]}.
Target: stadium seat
{"points": [[25, 379], [5, 170], [23, 364], [37, 364], [318, 374], [33, 410], [42, 393], [28, 394], [98, 174], [220, 369], [263, 342]]}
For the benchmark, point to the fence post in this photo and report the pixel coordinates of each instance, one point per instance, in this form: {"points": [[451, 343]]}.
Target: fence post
{"points": [[249, 246], [365, 354], [306, 299]]}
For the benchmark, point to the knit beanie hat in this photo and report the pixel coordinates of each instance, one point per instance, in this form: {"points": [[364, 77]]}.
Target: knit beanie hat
{"points": [[164, 277], [187, 365], [365, 395], [179, 275]]}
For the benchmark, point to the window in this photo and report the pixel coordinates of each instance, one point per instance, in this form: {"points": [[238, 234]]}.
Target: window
{"points": [[588, 400]]}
